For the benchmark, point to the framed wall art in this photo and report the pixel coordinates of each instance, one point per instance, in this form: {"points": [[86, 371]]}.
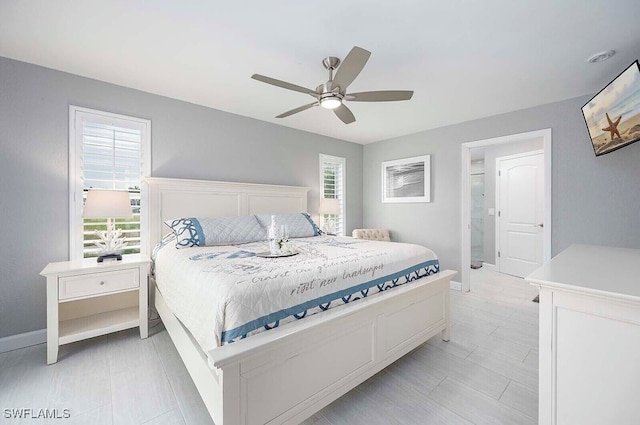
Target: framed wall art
{"points": [[613, 115], [407, 180]]}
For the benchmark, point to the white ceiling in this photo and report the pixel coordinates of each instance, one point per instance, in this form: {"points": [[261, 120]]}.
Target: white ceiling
{"points": [[465, 59]]}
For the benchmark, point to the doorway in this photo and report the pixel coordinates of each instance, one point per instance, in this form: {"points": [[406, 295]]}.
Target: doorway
{"points": [[486, 152]]}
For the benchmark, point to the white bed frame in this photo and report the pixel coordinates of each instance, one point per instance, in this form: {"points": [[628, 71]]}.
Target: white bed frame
{"points": [[287, 374]]}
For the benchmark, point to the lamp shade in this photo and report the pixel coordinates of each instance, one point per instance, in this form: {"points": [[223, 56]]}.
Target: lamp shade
{"points": [[329, 206], [107, 204]]}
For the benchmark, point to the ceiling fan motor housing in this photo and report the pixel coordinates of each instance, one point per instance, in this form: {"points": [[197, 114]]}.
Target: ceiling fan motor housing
{"points": [[327, 88], [329, 97]]}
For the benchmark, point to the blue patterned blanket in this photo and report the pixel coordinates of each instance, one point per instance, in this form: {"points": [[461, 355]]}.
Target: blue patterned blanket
{"points": [[226, 293]]}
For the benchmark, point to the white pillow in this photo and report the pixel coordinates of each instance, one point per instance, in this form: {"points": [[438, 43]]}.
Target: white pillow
{"points": [[207, 231], [299, 225]]}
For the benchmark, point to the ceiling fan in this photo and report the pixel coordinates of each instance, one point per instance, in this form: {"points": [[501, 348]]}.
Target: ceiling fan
{"points": [[333, 93]]}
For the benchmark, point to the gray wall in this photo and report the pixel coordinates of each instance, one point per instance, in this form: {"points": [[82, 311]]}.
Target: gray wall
{"points": [[188, 141], [594, 200], [490, 172]]}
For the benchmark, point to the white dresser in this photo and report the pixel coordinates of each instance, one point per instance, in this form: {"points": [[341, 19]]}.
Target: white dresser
{"points": [[590, 337]]}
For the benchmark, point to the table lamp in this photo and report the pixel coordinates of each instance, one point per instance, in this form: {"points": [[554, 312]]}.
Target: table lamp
{"points": [[329, 206], [108, 204]]}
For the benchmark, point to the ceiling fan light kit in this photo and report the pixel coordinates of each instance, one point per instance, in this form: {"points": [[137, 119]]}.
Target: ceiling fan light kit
{"points": [[330, 101], [333, 93]]}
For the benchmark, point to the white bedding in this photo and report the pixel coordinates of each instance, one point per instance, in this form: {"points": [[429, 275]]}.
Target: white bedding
{"points": [[225, 293]]}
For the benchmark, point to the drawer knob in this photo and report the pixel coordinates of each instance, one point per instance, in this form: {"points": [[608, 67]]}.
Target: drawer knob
{"points": [[102, 282]]}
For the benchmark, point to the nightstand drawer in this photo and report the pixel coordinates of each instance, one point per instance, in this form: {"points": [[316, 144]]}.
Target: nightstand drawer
{"points": [[97, 283]]}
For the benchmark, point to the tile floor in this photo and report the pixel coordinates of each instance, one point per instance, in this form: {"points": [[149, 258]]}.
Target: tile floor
{"points": [[486, 374]]}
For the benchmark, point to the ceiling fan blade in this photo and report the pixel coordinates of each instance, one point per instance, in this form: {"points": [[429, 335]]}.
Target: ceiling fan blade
{"points": [[350, 68], [299, 109], [379, 96], [283, 84], [344, 114]]}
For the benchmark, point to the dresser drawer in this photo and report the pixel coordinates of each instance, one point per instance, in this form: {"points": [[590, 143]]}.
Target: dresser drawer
{"points": [[97, 283]]}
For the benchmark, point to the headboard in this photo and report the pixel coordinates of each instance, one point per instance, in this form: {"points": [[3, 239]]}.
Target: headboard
{"points": [[174, 198]]}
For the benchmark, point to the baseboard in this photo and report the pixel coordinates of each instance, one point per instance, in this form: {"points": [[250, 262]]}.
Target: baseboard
{"points": [[14, 342], [455, 285], [490, 267]]}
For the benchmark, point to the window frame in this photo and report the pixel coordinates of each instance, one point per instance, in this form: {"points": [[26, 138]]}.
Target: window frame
{"points": [[76, 224], [331, 159]]}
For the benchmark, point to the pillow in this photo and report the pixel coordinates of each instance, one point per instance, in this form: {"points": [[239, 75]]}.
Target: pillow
{"points": [[299, 225], [207, 231]]}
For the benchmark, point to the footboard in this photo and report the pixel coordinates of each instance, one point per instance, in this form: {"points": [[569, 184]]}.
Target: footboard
{"points": [[287, 374]]}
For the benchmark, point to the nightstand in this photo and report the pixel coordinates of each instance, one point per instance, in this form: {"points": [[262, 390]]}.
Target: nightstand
{"points": [[86, 299]]}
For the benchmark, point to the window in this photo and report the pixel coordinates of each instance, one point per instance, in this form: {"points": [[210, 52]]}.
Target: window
{"points": [[332, 186], [107, 151]]}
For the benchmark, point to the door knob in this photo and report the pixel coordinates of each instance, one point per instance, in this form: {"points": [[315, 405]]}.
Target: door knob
{"points": [[540, 225]]}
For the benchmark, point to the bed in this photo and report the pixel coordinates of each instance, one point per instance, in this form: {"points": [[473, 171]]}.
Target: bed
{"points": [[285, 374]]}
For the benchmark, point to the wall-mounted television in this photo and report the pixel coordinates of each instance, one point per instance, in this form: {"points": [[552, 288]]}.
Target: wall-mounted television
{"points": [[613, 115]]}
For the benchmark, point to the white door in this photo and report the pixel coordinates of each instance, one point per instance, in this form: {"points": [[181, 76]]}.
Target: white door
{"points": [[520, 212]]}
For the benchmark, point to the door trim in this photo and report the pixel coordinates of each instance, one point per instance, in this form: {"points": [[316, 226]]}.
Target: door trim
{"points": [[465, 263], [497, 201]]}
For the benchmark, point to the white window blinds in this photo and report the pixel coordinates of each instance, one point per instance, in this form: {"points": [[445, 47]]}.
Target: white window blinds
{"points": [[332, 183], [107, 151]]}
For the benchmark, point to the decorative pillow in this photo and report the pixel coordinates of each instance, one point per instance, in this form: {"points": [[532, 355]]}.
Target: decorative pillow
{"points": [[299, 225], [207, 231]]}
